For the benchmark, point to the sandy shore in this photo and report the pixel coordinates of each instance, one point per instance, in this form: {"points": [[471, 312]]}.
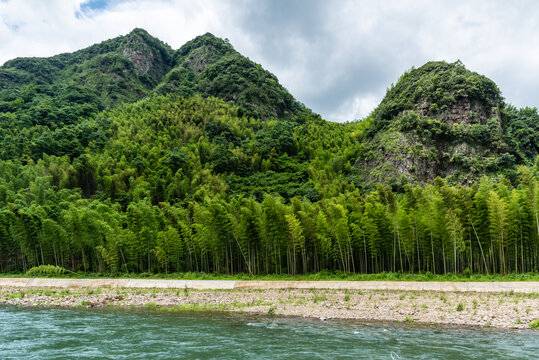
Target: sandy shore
{"points": [[499, 310]]}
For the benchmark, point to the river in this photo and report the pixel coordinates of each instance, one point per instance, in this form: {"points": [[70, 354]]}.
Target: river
{"points": [[37, 333]]}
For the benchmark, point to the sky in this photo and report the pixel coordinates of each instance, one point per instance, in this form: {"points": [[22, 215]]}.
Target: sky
{"points": [[337, 57]]}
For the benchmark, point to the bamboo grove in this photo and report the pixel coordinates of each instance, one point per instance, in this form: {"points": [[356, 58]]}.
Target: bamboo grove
{"points": [[487, 228], [175, 184]]}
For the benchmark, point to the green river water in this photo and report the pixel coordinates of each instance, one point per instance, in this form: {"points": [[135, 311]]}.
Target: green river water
{"points": [[27, 333]]}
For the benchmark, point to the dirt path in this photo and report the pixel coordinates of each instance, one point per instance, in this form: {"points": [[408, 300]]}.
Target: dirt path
{"points": [[520, 287]]}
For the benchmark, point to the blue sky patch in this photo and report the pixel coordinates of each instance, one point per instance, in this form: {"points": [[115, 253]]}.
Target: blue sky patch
{"points": [[94, 5], [90, 7]]}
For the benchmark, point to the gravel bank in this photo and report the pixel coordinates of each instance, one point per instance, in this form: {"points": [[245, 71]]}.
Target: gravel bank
{"points": [[499, 310]]}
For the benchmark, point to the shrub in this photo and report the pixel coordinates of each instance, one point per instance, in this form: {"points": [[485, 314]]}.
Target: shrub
{"points": [[46, 270]]}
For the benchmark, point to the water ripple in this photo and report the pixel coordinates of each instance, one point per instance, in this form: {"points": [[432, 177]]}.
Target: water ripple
{"points": [[122, 334]]}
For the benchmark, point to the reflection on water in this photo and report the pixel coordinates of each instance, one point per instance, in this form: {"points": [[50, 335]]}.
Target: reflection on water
{"points": [[129, 334]]}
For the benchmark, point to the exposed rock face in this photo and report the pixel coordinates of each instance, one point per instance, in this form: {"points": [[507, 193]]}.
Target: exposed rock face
{"points": [[142, 60], [400, 154], [150, 57], [197, 61], [418, 161], [463, 111], [139, 53]]}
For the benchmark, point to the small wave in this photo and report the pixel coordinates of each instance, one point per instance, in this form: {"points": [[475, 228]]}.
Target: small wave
{"points": [[256, 324]]}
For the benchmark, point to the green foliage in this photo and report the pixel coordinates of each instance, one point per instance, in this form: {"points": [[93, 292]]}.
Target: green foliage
{"points": [[46, 270], [324, 275], [278, 138], [211, 67], [227, 174], [444, 120], [522, 132], [439, 85], [43, 100]]}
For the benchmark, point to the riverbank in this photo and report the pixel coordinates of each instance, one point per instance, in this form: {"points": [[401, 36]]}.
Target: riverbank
{"points": [[501, 309]]}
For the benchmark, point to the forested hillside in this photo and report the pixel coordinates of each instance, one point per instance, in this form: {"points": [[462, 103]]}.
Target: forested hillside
{"points": [[131, 157]]}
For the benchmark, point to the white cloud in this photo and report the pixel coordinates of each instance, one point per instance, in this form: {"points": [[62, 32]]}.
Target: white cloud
{"points": [[45, 28], [356, 108], [337, 57]]}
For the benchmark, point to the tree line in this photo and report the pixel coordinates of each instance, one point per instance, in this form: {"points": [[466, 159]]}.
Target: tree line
{"points": [[486, 228]]}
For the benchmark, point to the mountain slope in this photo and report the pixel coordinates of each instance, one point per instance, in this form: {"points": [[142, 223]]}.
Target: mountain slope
{"points": [[130, 67], [440, 120], [44, 101], [210, 66], [114, 71]]}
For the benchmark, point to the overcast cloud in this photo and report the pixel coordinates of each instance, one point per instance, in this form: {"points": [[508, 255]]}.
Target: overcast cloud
{"points": [[337, 57]]}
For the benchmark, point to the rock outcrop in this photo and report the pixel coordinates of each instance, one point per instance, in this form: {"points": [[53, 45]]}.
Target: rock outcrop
{"points": [[440, 120]]}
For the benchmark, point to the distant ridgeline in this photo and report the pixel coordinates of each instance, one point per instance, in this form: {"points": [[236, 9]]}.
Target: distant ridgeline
{"points": [[128, 156]]}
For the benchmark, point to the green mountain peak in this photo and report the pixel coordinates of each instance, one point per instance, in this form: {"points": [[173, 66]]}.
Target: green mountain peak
{"points": [[441, 90], [439, 120]]}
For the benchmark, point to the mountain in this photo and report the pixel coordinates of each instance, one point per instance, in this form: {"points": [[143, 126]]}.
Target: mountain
{"points": [[442, 120], [210, 66], [42, 100], [123, 69], [128, 156], [130, 67]]}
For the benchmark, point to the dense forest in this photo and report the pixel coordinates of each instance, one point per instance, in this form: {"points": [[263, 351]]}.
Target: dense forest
{"points": [[130, 157]]}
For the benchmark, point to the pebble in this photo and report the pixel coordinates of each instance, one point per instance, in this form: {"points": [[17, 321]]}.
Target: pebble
{"points": [[371, 304]]}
